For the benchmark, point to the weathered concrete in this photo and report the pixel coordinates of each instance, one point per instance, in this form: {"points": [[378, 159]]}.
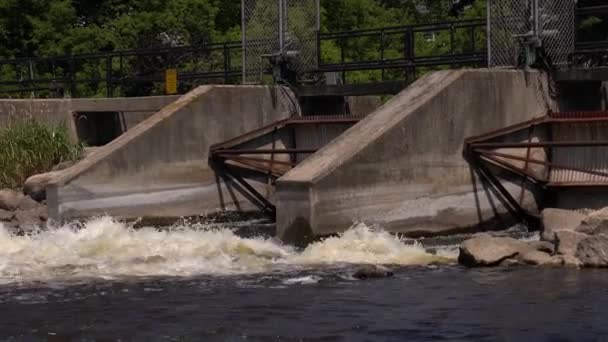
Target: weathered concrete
{"points": [[51, 111], [402, 166], [160, 167], [59, 111], [133, 109], [339, 105]]}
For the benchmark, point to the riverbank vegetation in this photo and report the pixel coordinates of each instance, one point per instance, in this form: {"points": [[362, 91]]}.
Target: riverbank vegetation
{"points": [[28, 147]]}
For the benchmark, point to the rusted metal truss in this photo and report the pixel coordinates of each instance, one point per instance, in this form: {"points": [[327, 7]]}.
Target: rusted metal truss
{"points": [[554, 151], [267, 153]]}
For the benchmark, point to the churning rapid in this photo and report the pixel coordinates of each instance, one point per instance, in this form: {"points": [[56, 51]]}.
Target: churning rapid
{"points": [[105, 248]]}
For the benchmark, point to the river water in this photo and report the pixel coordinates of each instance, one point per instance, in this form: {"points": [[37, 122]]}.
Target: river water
{"points": [[202, 282]]}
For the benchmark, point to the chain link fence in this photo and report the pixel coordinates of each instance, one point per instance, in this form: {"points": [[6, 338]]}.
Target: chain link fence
{"points": [[513, 24], [275, 28]]}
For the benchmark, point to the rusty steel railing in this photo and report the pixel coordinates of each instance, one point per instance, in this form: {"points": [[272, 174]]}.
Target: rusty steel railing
{"points": [[554, 151], [271, 151]]}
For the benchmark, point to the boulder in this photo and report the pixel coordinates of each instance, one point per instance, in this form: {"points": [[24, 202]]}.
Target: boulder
{"points": [[510, 262], [10, 199], [486, 250], [567, 241], [35, 186], [6, 216], [540, 258], [559, 219], [594, 223], [27, 203], [543, 246], [592, 251], [43, 213], [372, 272], [571, 261], [28, 218]]}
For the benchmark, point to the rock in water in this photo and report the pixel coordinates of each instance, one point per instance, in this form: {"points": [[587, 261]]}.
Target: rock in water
{"points": [[592, 251], [567, 241], [27, 203], [543, 246], [10, 199], [29, 218], [571, 261], [510, 262], [486, 250], [540, 258], [595, 223], [559, 219], [6, 216], [35, 186], [373, 272]]}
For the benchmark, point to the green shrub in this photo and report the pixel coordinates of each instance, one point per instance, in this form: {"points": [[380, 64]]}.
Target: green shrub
{"points": [[29, 147]]}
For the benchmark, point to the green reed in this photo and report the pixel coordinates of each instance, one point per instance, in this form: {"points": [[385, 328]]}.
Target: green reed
{"points": [[29, 147]]}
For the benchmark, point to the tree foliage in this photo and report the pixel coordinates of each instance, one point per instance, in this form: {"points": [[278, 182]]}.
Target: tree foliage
{"points": [[67, 27], [56, 27]]}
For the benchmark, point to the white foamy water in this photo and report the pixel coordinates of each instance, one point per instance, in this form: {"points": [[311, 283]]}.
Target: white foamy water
{"points": [[105, 248]]}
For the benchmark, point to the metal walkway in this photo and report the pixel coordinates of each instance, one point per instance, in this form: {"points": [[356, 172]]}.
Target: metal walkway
{"points": [[559, 150], [269, 152]]}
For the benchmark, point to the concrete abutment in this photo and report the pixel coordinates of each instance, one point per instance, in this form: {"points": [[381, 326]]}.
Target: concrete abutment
{"points": [[402, 166], [160, 167]]}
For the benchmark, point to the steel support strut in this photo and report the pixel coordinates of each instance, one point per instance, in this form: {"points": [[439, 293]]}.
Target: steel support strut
{"points": [[504, 150], [249, 154]]}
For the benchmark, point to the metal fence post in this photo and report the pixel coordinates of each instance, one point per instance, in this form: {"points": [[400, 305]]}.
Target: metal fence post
{"points": [[109, 85], [244, 41], [281, 26], [489, 32]]}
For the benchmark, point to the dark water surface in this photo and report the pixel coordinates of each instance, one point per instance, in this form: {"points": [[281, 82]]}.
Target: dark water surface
{"points": [[445, 303]]}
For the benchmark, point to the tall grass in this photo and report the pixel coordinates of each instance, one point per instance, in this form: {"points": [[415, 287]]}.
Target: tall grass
{"points": [[29, 147]]}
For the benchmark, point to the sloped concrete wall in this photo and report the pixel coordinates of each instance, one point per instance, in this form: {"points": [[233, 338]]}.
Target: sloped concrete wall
{"points": [[402, 166], [160, 167]]}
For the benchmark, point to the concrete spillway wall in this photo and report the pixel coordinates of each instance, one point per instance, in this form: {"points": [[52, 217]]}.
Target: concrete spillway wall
{"points": [[160, 167], [402, 166]]}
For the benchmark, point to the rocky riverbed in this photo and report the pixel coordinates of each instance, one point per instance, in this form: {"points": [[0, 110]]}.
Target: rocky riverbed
{"points": [[19, 212], [24, 209], [569, 238]]}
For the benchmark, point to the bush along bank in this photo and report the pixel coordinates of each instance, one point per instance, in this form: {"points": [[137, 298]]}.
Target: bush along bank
{"points": [[569, 238], [28, 151], [29, 147]]}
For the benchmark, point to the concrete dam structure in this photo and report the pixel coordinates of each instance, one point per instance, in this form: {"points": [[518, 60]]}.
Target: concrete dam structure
{"points": [[249, 148], [402, 167], [160, 167]]}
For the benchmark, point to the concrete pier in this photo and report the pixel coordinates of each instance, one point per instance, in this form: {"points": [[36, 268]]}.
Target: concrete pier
{"points": [[160, 167], [402, 166]]}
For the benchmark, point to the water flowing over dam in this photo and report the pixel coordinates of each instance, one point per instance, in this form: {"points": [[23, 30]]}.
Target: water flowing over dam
{"points": [[104, 248]]}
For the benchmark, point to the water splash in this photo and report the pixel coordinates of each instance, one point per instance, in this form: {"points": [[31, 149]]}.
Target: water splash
{"points": [[106, 248], [364, 245]]}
